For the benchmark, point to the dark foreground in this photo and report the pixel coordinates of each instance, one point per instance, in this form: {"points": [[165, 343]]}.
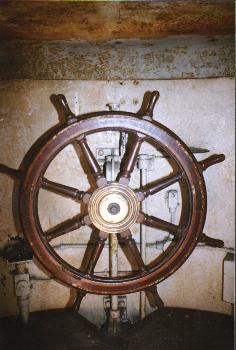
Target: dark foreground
{"points": [[167, 329]]}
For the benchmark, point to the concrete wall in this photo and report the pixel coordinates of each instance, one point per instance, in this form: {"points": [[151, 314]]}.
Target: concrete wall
{"points": [[200, 111], [174, 57]]}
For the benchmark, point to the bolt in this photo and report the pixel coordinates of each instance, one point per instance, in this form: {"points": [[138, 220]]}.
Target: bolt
{"points": [[100, 152], [113, 208]]}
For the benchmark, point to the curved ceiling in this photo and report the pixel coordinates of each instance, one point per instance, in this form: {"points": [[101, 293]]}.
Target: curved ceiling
{"points": [[104, 21]]}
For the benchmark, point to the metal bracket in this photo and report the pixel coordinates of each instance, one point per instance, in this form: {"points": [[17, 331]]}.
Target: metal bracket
{"points": [[22, 284], [145, 162], [122, 301], [102, 153], [122, 306]]}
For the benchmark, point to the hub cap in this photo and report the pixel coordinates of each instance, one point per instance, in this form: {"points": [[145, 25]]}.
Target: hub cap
{"points": [[113, 208]]}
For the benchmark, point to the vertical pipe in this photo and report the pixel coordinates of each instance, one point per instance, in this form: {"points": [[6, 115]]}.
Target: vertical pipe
{"points": [[172, 217], [111, 176], [143, 164], [143, 245], [123, 141], [114, 272], [22, 290], [114, 320]]}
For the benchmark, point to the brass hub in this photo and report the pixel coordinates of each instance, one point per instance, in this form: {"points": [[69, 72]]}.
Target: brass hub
{"points": [[113, 208]]}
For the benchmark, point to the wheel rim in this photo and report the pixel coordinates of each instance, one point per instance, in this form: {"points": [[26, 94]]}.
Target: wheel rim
{"points": [[155, 133]]}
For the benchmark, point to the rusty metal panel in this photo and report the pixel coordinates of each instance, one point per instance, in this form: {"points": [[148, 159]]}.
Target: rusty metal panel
{"points": [[168, 58]]}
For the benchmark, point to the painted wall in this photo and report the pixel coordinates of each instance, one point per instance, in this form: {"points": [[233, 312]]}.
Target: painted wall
{"points": [[200, 111]]}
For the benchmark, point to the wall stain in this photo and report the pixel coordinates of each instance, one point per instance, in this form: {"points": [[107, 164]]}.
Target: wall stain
{"points": [[171, 58]]}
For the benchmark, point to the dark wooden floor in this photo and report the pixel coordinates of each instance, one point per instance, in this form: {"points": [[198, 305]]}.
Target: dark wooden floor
{"points": [[167, 329]]}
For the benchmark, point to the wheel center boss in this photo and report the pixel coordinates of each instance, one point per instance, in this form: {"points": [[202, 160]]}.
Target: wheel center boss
{"points": [[113, 208]]}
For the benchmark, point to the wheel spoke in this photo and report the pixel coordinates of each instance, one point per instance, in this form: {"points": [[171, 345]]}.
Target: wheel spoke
{"points": [[61, 189], [212, 160], [65, 227], [80, 296], [154, 297], [132, 246], [130, 160], [160, 224], [210, 241], [159, 185], [92, 161], [96, 252]]}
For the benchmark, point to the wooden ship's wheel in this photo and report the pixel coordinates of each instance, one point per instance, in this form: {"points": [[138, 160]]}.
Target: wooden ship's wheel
{"points": [[114, 207]]}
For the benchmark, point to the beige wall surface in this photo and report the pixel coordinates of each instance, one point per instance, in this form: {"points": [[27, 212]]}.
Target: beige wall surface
{"points": [[200, 111]]}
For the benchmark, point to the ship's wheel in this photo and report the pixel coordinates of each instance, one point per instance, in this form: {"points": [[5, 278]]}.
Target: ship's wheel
{"points": [[114, 207]]}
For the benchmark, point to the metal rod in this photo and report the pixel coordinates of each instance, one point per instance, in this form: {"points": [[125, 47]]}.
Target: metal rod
{"points": [[22, 290], [114, 312], [114, 271], [143, 229], [143, 166]]}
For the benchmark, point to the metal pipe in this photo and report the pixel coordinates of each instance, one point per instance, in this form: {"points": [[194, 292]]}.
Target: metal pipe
{"points": [[114, 271], [115, 312], [143, 165], [143, 245], [111, 176], [22, 290]]}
